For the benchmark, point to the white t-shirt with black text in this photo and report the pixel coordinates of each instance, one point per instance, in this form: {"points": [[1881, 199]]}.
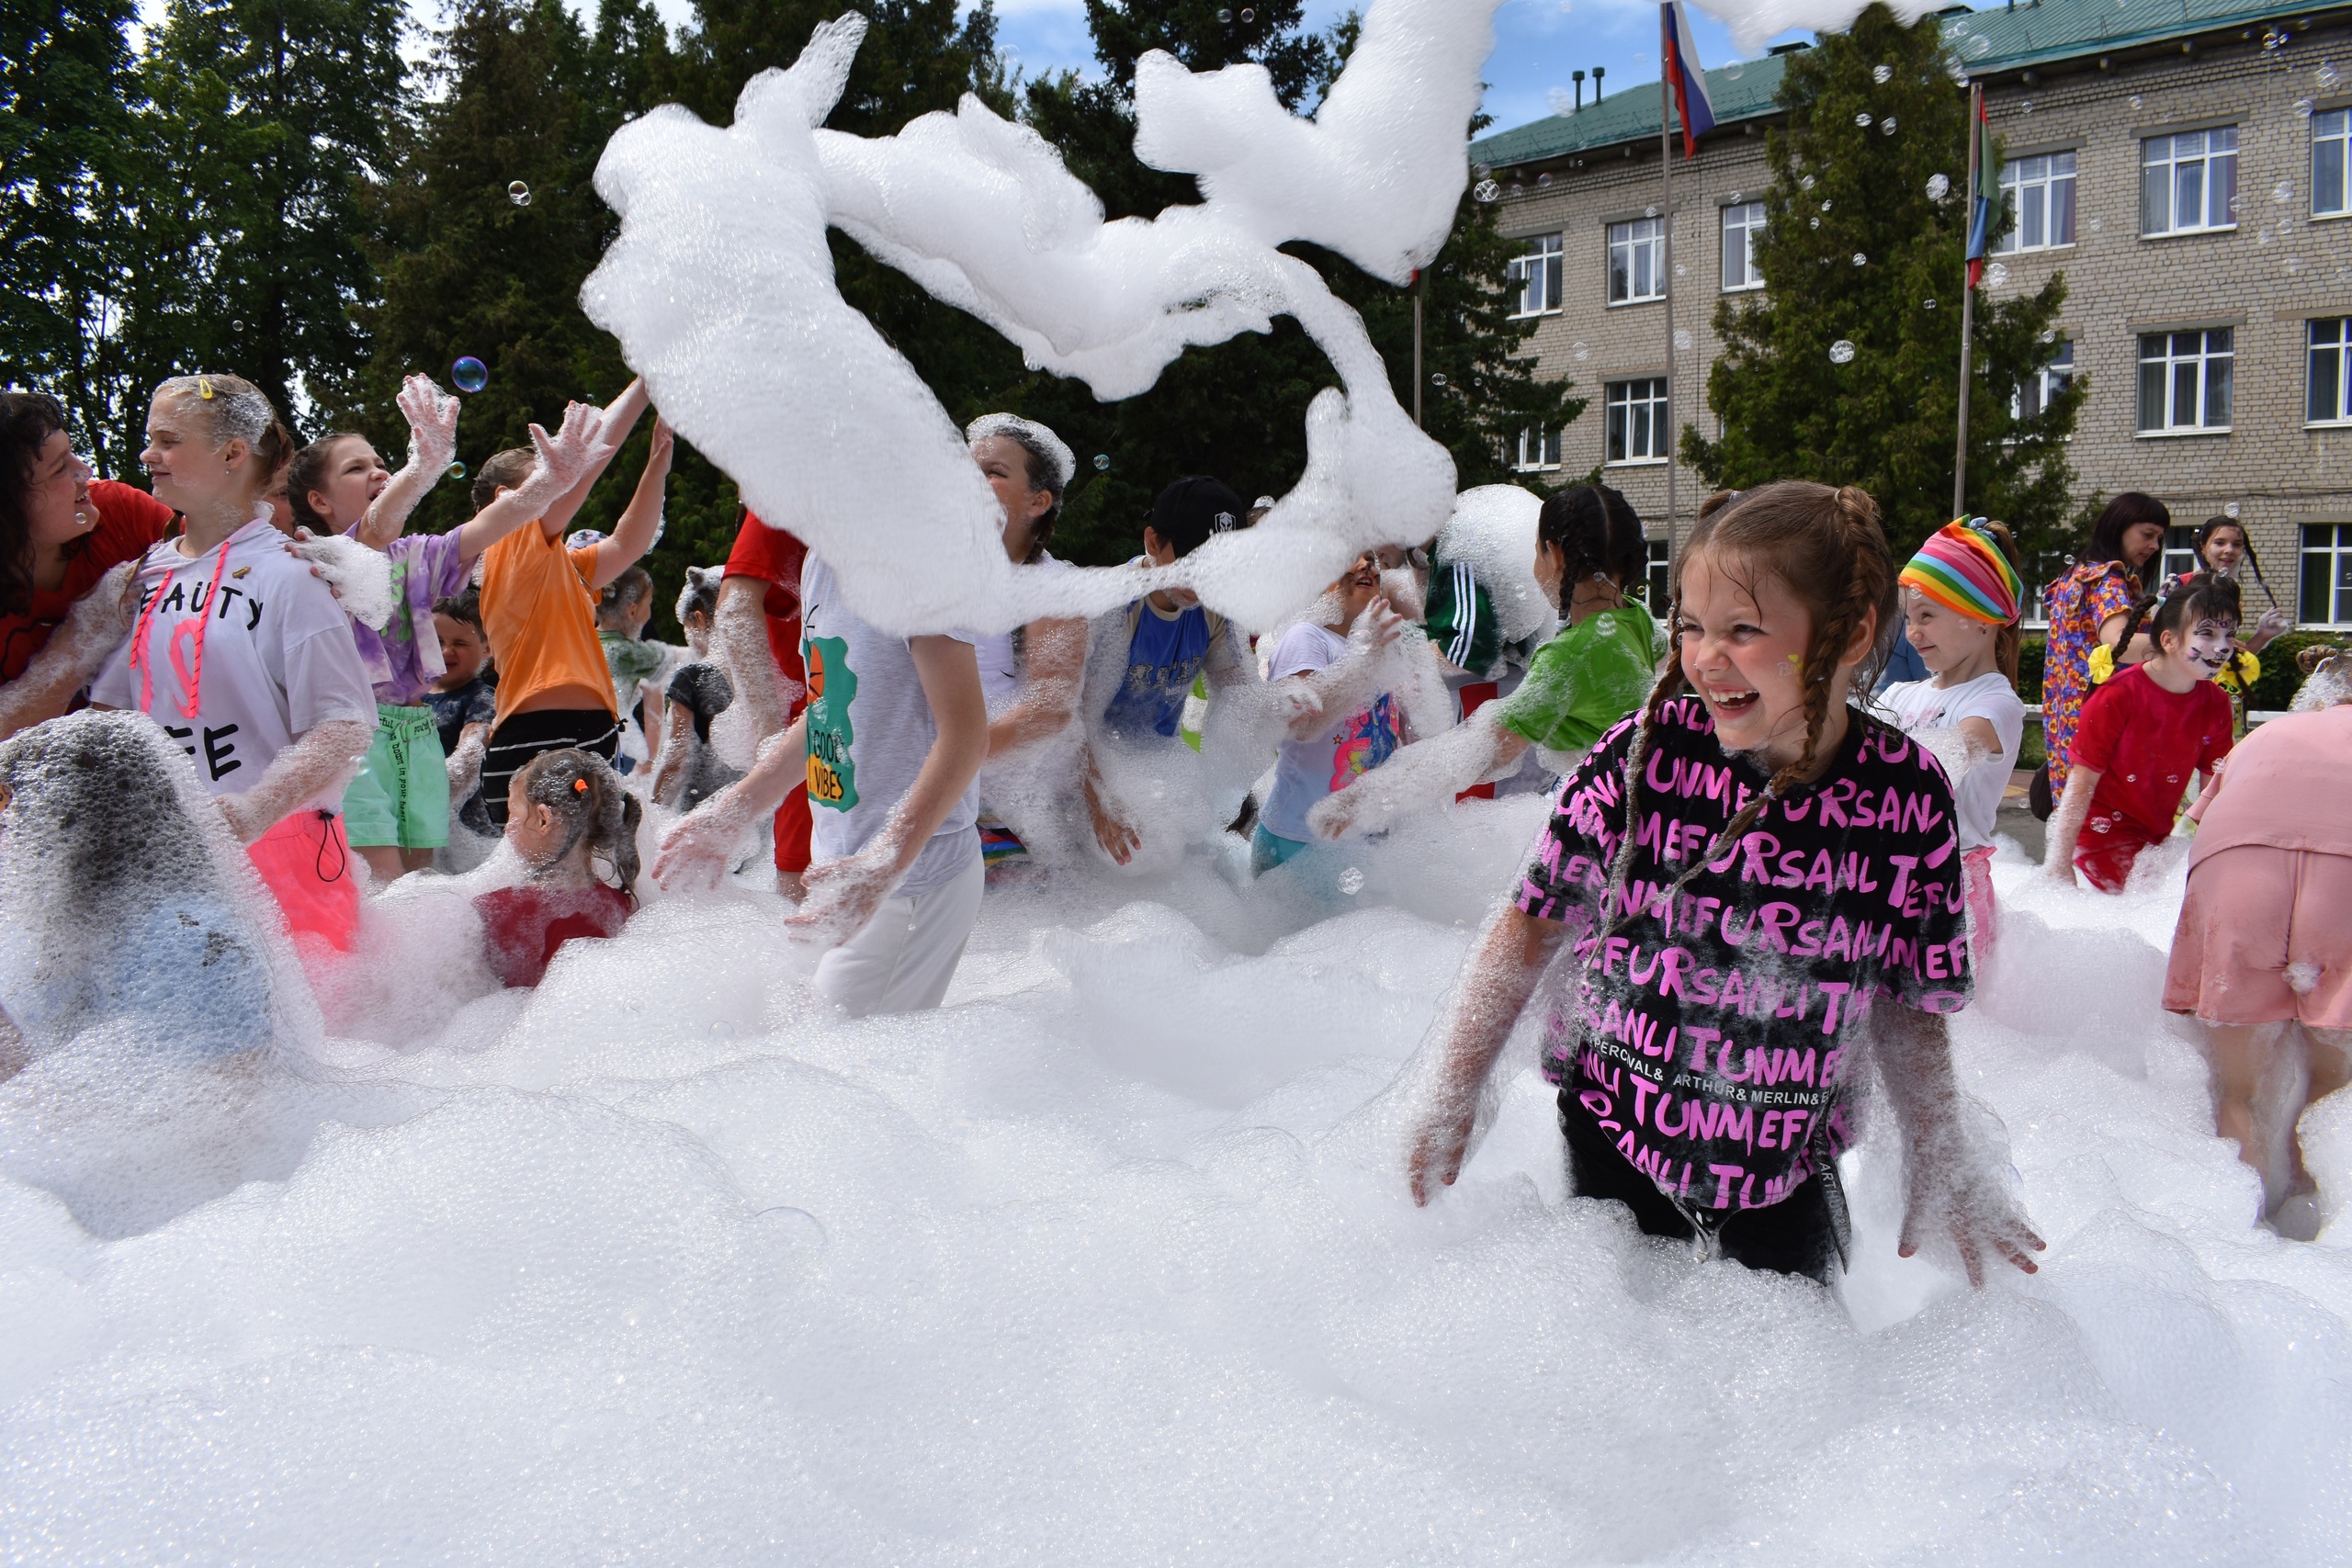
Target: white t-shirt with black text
{"points": [[278, 657], [1976, 797]]}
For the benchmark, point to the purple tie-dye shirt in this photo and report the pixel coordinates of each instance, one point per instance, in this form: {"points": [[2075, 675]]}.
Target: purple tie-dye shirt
{"points": [[405, 657]]}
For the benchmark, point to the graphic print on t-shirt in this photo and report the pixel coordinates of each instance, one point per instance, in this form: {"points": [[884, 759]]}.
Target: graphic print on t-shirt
{"points": [[1164, 653], [1708, 1032], [1364, 742], [832, 687]]}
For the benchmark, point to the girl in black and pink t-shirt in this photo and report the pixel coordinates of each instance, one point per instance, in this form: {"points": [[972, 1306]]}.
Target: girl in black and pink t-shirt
{"points": [[1759, 886]]}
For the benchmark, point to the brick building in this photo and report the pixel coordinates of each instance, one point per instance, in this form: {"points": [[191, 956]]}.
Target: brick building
{"points": [[2187, 164]]}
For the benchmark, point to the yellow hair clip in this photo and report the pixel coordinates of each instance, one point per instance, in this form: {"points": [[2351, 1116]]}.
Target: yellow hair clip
{"points": [[204, 388]]}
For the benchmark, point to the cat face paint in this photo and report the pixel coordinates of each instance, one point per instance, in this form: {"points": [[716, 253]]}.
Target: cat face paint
{"points": [[2211, 643]]}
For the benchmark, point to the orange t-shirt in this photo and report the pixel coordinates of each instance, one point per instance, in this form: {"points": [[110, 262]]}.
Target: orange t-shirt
{"points": [[541, 617]]}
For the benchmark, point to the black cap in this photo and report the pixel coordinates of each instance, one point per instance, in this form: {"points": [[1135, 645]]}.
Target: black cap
{"points": [[1192, 508]]}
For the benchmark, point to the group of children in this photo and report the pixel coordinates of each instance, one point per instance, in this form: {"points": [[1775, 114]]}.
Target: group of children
{"points": [[1755, 872]]}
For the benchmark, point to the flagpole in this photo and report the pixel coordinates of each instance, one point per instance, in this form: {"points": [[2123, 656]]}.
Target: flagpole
{"points": [[1967, 306], [1665, 177]]}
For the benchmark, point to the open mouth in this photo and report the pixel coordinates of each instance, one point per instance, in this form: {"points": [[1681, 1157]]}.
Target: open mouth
{"points": [[1733, 702]]}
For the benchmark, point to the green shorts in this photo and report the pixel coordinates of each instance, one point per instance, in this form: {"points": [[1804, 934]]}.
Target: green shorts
{"points": [[401, 799]]}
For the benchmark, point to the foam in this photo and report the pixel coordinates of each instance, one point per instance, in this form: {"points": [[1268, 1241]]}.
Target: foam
{"points": [[1757, 23], [1111, 1260]]}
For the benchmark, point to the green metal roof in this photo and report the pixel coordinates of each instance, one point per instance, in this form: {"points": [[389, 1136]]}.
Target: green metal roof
{"points": [[1997, 39]]}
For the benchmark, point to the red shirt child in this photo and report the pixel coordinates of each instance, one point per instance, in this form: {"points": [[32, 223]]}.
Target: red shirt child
{"points": [[2145, 743], [525, 926]]}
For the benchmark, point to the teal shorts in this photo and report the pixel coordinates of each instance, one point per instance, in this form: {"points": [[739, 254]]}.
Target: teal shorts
{"points": [[401, 799]]}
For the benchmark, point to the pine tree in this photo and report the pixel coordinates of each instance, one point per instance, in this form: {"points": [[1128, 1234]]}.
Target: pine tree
{"points": [[1857, 250]]}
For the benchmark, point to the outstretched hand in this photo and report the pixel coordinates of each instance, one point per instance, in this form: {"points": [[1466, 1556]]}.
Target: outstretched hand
{"points": [[1379, 627], [701, 847], [432, 416], [1439, 1143], [1971, 1208], [1118, 841], [840, 896], [561, 458]]}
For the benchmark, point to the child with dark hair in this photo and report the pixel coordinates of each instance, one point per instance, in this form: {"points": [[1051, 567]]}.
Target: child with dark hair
{"points": [[1586, 676], [2224, 548], [566, 810], [2144, 733], [338, 485], [2087, 609], [1758, 885], [639, 669], [464, 703]]}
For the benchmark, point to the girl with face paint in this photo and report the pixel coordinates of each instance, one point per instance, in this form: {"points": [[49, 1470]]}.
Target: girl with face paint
{"points": [[2144, 732]]}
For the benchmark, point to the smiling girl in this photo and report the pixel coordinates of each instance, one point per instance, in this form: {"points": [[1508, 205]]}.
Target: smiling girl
{"points": [[2143, 733], [1758, 885]]}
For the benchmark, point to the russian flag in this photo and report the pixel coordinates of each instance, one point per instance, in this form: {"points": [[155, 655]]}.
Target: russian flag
{"points": [[1680, 52]]}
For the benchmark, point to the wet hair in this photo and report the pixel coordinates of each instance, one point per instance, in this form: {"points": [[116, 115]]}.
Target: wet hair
{"points": [[465, 607], [701, 592], [1596, 530], [308, 471], [27, 422], [1826, 545], [625, 593], [1046, 458], [233, 409], [500, 470], [2124, 513], [2212, 525], [2187, 601], [588, 799]]}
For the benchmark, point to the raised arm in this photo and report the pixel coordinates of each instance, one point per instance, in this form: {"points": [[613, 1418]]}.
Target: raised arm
{"points": [[432, 416], [1347, 685], [1497, 979], [1951, 1187], [614, 423], [740, 629], [573, 450], [640, 524]]}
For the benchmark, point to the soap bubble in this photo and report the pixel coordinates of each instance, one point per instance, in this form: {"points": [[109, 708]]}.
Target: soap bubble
{"points": [[1351, 880], [1437, 379], [1861, 260], [1814, 221], [1738, 196], [1224, 16], [2231, 510], [2027, 106], [1804, 182], [1825, 206], [1101, 462], [1248, 16], [1486, 190], [1649, 211], [519, 194], [1863, 120], [2135, 100], [1580, 352], [2327, 76], [1681, 338], [1996, 275], [1679, 270], [2096, 224], [236, 326], [2274, 40], [1886, 126], [1841, 352], [2283, 191], [2050, 335], [1482, 170], [1938, 187], [1930, 304], [1882, 75], [1517, 189], [2303, 108], [1736, 69], [470, 373], [1543, 182], [1980, 47], [456, 471]]}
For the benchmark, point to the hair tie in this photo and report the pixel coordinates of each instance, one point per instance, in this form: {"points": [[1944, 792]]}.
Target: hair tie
{"points": [[580, 786]]}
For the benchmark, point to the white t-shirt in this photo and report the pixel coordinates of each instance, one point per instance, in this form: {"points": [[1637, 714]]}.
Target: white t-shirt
{"points": [[1309, 769], [1000, 667], [869, 731], [278, 657], [1919, 704]]}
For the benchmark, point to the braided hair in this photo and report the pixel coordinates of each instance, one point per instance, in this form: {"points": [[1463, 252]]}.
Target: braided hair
{"points": [[2212, 525], [1824, 543], [588, 799], [1596, 530]]}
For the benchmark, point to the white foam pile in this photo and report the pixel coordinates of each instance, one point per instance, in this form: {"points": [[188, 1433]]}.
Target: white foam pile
{"points": [[1755, 23], [1110, 1261], [721, 290]]}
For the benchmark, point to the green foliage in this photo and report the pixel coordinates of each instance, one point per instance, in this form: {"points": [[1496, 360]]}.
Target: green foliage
{"points": [[2281, 678], [1885, 422]]}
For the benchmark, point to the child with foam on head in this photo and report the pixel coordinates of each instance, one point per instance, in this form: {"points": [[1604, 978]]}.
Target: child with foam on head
{"points": [[2146, 733], [1586, 677], [566, 810], [464, 703], [1760, 889], [688, 770], [1960, 607], [639, 669]]}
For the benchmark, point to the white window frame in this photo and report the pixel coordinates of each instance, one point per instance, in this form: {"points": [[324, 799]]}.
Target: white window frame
{"points": [[1641, 242], [1745, 219], [2335, 348], [2166, 162], [2176, 355], [2327, 546], [1621, 403], [2054, 374], [2178, 555], [1658, 579], [1538, 275], [2039, 190], [2332, 131], [1538, 450]]}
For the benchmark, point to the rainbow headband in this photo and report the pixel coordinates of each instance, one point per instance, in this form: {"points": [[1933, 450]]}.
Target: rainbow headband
{"points": [[1962, 570]]}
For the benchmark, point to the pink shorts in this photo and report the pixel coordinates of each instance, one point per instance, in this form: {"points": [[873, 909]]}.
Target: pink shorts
{"points": [[1984, 915], [2264, 937], [306, 862]]}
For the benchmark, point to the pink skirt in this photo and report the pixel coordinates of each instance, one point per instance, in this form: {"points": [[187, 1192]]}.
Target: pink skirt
{"points": [[2265, 936]]}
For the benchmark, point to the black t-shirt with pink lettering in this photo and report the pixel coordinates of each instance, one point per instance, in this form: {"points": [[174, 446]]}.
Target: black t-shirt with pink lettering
{"points": [[1710, 1039]]}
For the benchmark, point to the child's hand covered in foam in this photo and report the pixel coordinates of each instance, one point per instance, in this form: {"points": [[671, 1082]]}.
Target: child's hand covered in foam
{"points": [[703, 846], [432, 416], [843, 894]]}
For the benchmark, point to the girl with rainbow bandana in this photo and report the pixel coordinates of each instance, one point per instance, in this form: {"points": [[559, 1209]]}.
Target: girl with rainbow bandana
{"points": [[1960, 608]]}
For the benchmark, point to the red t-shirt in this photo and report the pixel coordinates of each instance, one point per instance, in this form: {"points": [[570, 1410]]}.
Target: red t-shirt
{"points": [[775, 557], [524, 926], [130, 522], [2146, 743]]}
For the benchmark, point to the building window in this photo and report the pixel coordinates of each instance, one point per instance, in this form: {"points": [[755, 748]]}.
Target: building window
{"points": [[2057, 373], [1637, 432], [1538, 450], [2185, 381], [1742, 223], [1637, 260], [2331, 133], [2327, 575], [2042, 193], [2328, 390], [1656, 588], [2180, 559], [2046, 569], [2189, 182], [1538, 276]]}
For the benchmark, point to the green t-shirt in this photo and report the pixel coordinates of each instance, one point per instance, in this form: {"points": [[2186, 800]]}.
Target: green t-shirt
{"points": [[1584, 680]]}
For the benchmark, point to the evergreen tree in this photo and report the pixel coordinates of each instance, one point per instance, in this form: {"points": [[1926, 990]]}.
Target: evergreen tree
{"points": [[1857, 250]]}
